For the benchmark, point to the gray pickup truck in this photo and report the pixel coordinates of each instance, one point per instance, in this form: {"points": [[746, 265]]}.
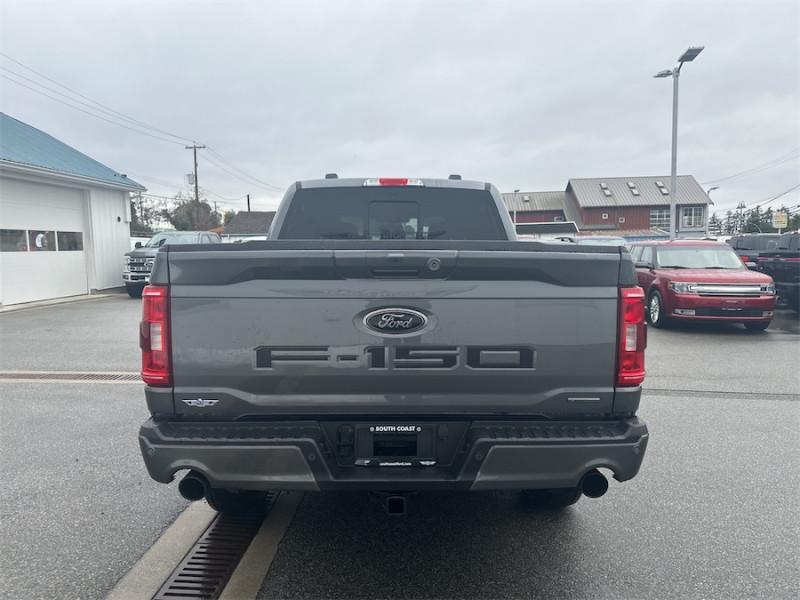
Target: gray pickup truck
{"points": [[392, 336]]}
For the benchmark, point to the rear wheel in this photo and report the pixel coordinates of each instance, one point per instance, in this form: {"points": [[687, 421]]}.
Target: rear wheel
{"points": [[655, 310], [760, 326], [226, 501], [553, 499]]}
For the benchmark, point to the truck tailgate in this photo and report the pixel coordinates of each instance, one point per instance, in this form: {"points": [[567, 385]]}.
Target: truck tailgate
{"points": [[277, 330]]}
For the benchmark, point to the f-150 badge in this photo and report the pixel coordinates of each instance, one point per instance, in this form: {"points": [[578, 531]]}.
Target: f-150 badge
{"points": [[394, 321]]}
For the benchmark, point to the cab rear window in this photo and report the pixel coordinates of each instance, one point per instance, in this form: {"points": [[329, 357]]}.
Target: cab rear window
{"points": [[392, 213]]}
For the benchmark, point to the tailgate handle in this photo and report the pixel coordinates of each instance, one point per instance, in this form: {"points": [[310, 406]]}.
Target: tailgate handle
{"points": [[396, 272]]}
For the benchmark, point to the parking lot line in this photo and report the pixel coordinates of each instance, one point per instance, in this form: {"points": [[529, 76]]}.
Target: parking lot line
{"points": [[147, 575], [721, 394], [70, 377], [249, 575]]}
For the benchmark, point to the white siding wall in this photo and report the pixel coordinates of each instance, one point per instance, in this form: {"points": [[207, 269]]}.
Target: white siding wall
{"points": [[110, 237]]}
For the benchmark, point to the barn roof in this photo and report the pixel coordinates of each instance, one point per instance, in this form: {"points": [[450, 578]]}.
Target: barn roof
{"points": [[602, 192], [534, 201], [22, 145]]}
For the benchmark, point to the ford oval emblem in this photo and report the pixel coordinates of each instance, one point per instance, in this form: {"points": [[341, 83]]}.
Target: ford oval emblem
{"points": [[395, 321]]}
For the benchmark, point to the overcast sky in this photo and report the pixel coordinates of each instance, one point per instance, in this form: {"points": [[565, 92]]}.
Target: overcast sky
{"points": [[523, 94]]}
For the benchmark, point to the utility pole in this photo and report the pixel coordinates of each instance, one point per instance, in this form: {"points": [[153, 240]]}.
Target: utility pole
{"points": [[194, 148], [248, 202], [740, 220]]}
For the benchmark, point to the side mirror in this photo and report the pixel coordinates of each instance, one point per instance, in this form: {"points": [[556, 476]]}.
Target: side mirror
{"points": [[643, 265], [137, 245]]}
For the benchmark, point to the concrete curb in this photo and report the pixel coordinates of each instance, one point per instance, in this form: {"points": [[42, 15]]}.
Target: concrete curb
{"points": [[55, 302]]}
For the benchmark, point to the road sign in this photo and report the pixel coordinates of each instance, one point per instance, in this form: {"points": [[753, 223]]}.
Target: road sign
{"points": [[780, 220]]}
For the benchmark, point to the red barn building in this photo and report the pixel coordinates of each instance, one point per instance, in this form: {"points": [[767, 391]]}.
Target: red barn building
{"points": [[617, 204]]}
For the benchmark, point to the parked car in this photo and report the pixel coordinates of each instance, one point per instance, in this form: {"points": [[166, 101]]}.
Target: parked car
{"points": [[139, 261], [783, 265], [694, 280], [392, 336], [749, 246]]}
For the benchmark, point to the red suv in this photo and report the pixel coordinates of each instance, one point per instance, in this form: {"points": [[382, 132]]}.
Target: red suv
{"points": [[697, 280]]}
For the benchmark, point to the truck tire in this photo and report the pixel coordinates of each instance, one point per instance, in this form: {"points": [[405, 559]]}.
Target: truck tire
{"points": [[134, 291], [553, 499], [760, 326], [226, 501], [655, 310]]}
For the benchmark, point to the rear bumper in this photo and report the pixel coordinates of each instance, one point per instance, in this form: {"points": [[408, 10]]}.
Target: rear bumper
{"points": [[300, 455], [692, 307]]}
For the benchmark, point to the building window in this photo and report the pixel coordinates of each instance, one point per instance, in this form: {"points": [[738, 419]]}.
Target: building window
{"points": [[692, 216], [69, 241], [621, 220], [13, 240], [42, 241], [558, 219], [659, 218], [604, 216]]}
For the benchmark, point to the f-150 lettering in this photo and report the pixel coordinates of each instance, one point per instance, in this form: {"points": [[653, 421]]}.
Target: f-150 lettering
{"points": [[402, 357]]}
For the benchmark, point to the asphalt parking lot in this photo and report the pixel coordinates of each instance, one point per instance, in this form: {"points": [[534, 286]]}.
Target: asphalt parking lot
{"points": [[713, 513]]}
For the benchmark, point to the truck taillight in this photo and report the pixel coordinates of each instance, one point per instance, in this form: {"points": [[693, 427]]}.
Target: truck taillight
{"points": [[154, 338], [632, 338]]}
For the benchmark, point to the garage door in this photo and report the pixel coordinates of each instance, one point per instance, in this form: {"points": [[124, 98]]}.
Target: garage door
{"points": [[42, 241]]}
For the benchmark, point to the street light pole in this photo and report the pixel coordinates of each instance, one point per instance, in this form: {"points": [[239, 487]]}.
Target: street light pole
{"points": [[708, 193], [515, 206], [688, 56], [673, 174]]}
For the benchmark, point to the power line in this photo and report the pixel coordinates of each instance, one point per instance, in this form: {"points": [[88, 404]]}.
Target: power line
{"points": [[775, 162], [223, 198], [773, 198], [87, 112], [233, 173], [149, 195], [148, 178], [222, 159], [105, 108], [113, 117]]}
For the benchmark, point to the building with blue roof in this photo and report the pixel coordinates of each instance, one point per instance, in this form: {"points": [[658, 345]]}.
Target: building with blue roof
{"points": [[64, 217]]}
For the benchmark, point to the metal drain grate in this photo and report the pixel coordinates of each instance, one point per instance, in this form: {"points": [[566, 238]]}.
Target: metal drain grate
{"points": [[100, 377], [209, 564]]}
